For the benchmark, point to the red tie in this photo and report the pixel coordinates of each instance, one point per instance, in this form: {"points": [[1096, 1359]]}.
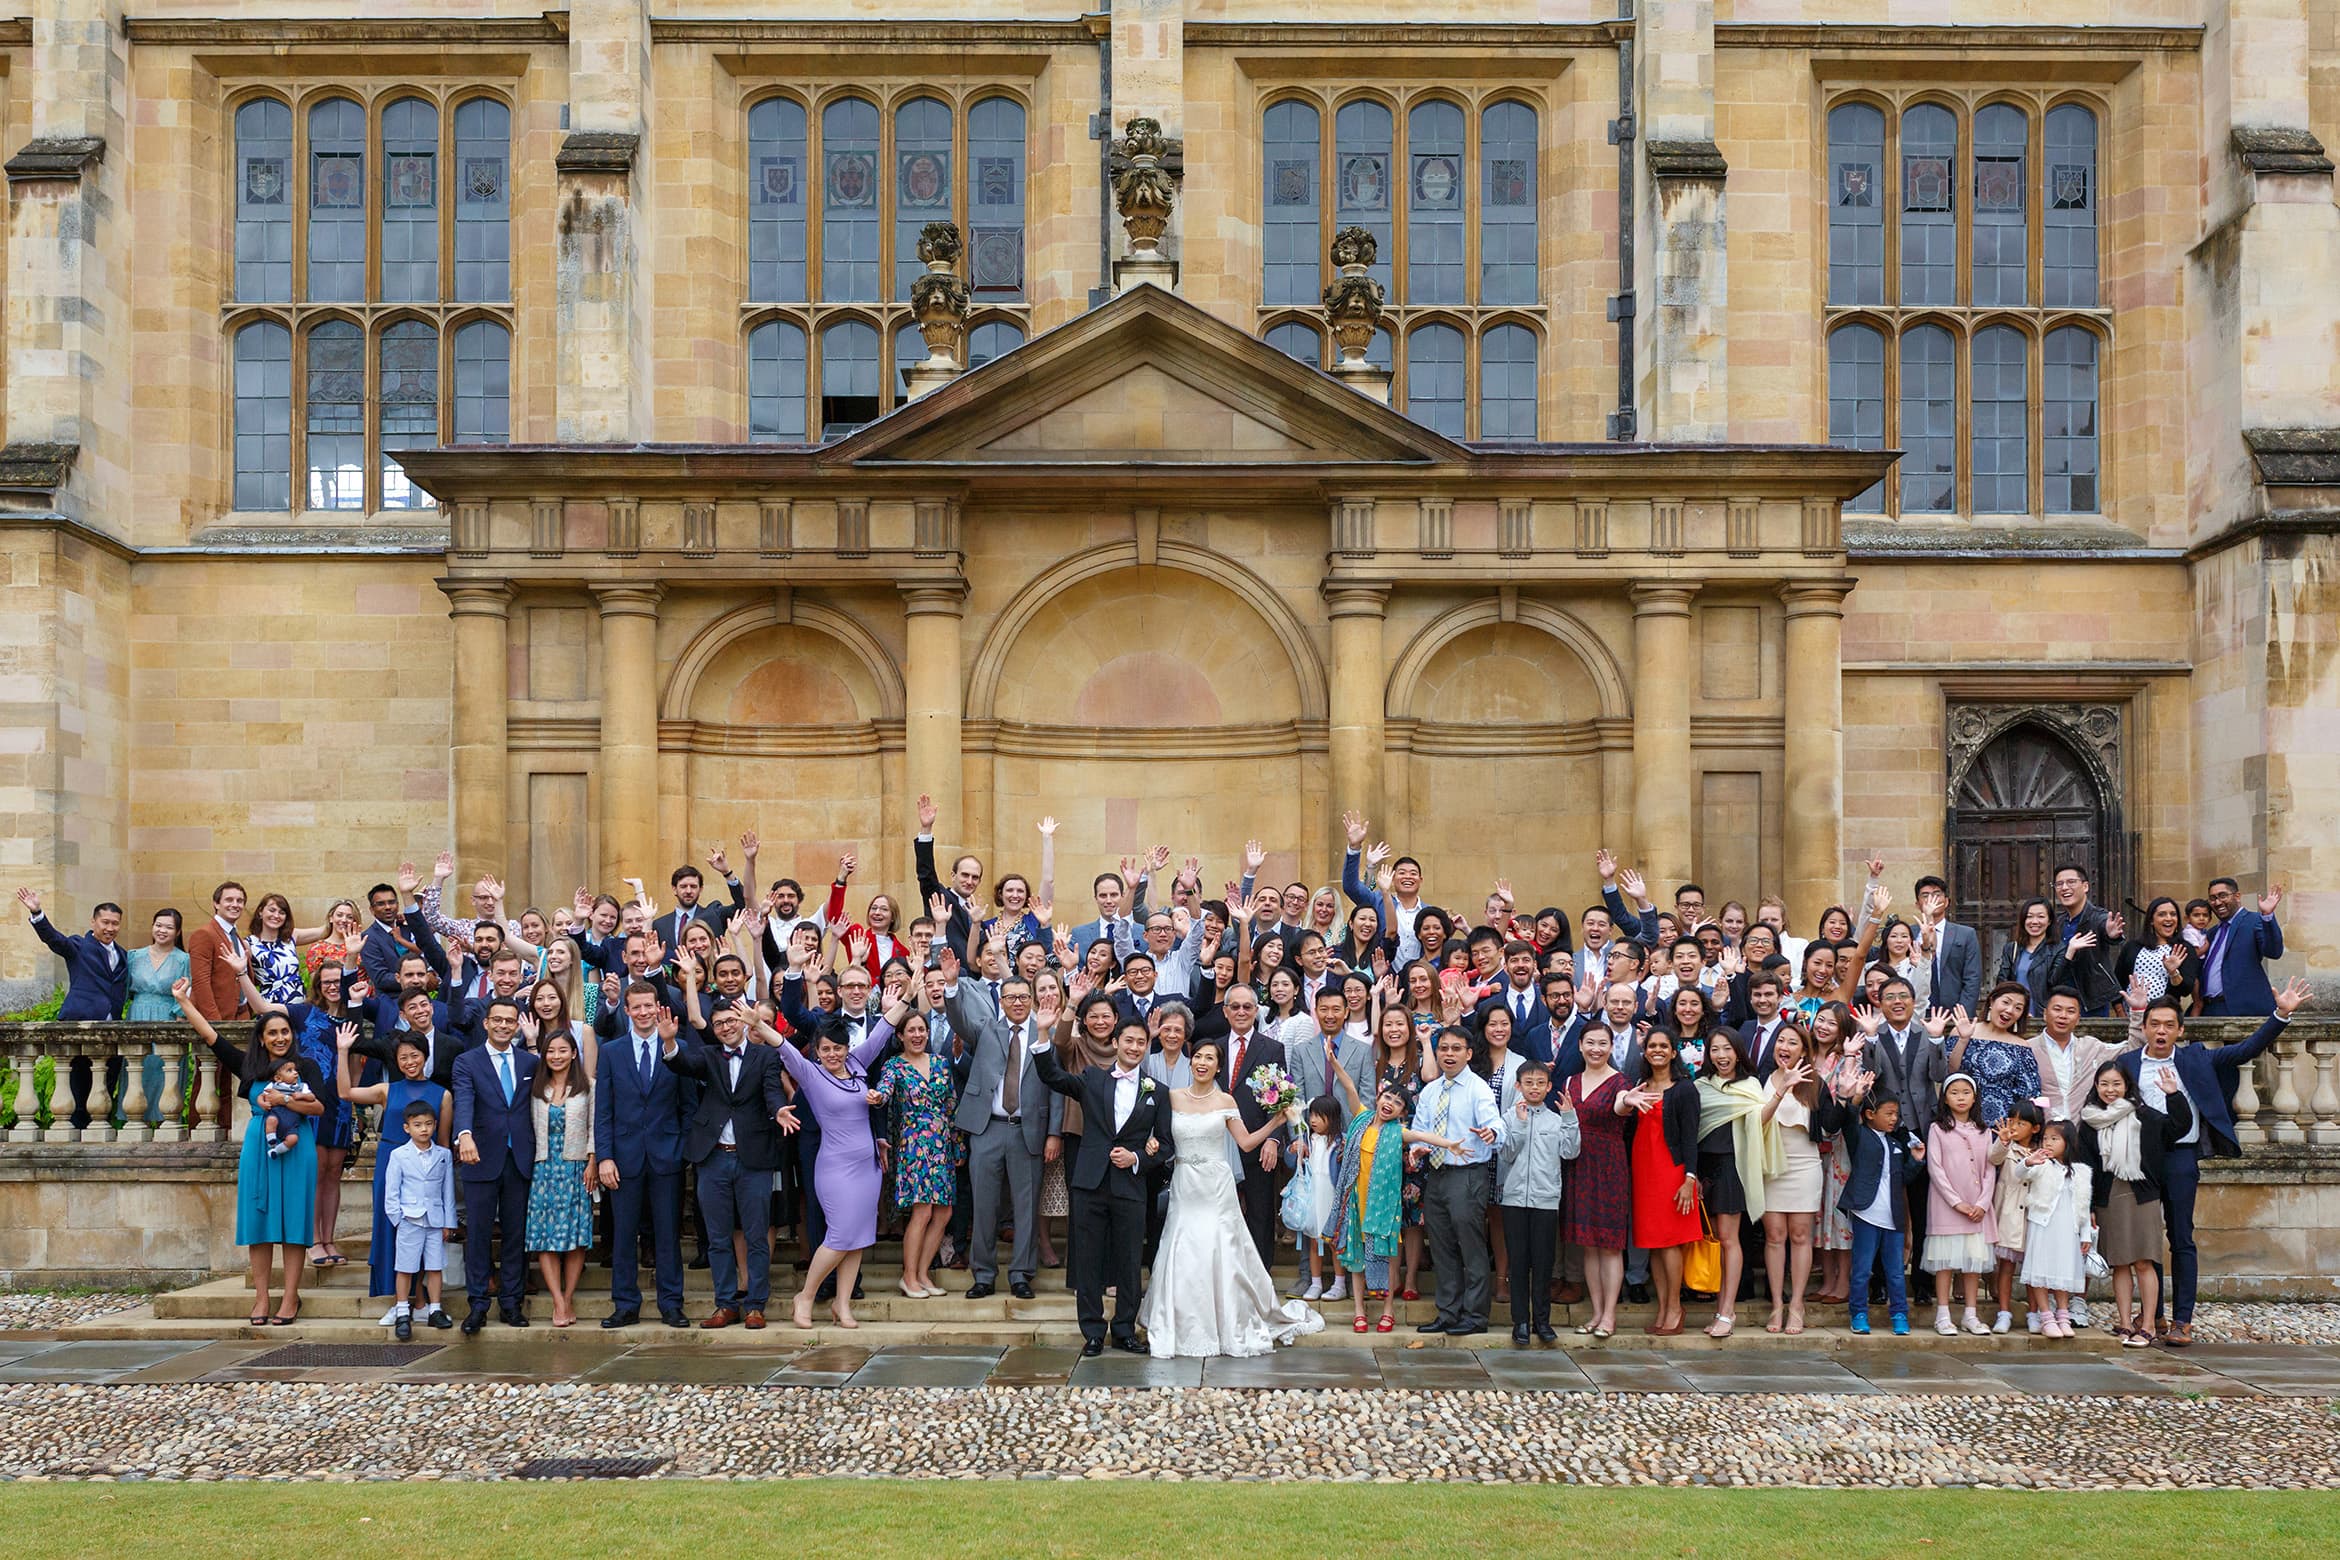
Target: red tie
{"points": [[1241, 1043]]}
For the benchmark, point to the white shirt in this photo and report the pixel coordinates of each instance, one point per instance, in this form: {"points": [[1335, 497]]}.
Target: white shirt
{"points": [[1879, 1213], [2060, 1057], [732, 1062], [1237, 1048], [228, 929], [1125, 1096], [1021, 1031], [2149, 1086]]}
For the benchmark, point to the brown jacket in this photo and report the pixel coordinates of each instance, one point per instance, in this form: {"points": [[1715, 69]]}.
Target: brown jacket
{"points": [[218, 995]]}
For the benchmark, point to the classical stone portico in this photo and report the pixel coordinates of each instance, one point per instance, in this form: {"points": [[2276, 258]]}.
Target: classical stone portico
{"points": [[1150, 575]]}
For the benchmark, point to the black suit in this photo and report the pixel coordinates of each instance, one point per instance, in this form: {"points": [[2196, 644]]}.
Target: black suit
{"points": [[1257, 1190], [960, 924], [735, 1182], [1108, 1202], [716, 917]]}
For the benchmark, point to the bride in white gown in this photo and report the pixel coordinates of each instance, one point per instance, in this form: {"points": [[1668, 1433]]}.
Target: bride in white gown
{"points": [[1209, 1294]]}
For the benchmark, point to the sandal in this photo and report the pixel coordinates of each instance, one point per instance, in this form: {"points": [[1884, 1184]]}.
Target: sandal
{"points": [[1602, 1332], [1388, 1323], [1721, 1326], [259, 1319], [1773, 1325]]}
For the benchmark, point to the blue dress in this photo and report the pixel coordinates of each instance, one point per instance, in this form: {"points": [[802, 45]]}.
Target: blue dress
{"points": [[2002, 1074], [315, 1039], [382, 1252], [560, 1210], [276, 1194]]}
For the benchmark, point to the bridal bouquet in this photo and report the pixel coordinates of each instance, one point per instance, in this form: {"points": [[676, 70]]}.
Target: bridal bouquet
{"points": [[1273, 1088]]}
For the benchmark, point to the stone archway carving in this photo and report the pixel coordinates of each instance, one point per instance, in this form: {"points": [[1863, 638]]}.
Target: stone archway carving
{"points": [[1608, 679], [991, 661], [2092, 731], [735, 625]]}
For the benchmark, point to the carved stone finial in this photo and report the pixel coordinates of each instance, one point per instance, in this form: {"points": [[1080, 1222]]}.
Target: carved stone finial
{"points": [[938, 302], [939, 244], [1353, 299], [1354, 246], [1143, 191]]}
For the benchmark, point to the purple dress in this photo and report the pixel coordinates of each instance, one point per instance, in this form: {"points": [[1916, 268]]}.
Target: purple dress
{"points": [[845, 1171]]}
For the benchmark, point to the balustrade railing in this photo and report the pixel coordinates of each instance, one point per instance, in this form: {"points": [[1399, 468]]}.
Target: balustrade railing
{"points": [[155, 1084]]}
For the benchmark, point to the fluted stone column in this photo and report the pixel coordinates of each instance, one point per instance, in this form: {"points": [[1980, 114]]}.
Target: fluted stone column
{"points": [[936, 690], [482, 611], [1661, 733], [1814, 748], [629, 731], [1357, 674]]}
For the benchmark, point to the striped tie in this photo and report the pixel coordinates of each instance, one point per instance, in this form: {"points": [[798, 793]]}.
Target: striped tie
{"points": [[1438, 1123]]}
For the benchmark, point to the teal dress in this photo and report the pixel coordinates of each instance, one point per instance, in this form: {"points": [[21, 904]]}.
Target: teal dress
{"points": [[151, 1002], [560, 1210], [276, 1194]]}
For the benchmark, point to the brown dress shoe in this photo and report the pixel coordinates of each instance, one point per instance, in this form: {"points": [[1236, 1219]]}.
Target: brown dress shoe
{"points": [[724, 1316], [755, 1321], [1569, 1294]]}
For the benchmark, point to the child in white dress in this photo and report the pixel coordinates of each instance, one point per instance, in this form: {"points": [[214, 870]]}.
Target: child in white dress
{"points": [[1311, 1193], [2055, 1246]]}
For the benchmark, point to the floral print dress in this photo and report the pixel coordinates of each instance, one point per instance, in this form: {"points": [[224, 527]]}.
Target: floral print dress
{"points": [[926, 1145]]}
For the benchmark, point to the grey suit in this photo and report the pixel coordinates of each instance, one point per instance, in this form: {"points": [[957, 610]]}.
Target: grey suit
{"points": [[1958, 968], [1304, 1057], [997, 1146], [1910, 1067]]}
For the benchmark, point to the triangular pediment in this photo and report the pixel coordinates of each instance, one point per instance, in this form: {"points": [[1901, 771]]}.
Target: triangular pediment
{"points": [[1146, 377]]}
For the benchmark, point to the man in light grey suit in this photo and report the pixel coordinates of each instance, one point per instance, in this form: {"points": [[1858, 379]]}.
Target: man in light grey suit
{"points": [[1906, 1055], [1307, 1040], [1006, 1111], [1954, 950]]}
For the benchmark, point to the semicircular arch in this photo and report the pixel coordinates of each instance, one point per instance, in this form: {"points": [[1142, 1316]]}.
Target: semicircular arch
{"points": [[683, 685], [1405, 678]]}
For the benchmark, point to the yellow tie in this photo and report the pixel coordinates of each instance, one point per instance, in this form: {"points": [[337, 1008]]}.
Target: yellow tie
{"points": [[1438, 1122]]}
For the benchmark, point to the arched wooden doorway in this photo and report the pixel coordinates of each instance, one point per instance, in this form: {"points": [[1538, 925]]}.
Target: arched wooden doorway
{"points": [[2027, 801]]}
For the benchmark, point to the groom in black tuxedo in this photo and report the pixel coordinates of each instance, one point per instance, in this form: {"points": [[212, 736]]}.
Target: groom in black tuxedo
{"points": [[1125, 1133]]}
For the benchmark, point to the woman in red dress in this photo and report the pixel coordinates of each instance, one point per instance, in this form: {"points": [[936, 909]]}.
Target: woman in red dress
{"points": [[1596, 1195], [1664, 1112]]}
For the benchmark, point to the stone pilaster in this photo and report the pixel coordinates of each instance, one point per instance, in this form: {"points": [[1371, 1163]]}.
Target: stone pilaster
{"points": [[1356, 740], [1662, 788], [629, 731], [1681, 268], [602, 379], [481, 756], [935, 690], [1813, 753]]}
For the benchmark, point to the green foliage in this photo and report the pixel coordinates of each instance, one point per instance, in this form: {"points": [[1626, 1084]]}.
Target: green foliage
{"points": [[40, 1012]]}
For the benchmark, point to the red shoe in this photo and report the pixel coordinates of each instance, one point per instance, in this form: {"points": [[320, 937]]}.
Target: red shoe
{"points": [[1409, 1295], [1388, 1323], [1358, 1325]]}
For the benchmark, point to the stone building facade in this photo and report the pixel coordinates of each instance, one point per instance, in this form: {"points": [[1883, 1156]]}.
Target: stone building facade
{"points": [[1607, 542]]}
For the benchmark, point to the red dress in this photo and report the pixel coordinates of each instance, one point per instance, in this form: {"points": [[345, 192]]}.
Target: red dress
{"points": [[1596, 1201], [1657, 1179]]}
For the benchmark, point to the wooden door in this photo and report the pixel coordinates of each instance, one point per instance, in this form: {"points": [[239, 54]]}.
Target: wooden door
{"points": [[2024, 807]]}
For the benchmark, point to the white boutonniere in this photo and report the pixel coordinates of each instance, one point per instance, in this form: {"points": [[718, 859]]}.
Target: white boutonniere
{"points": [[1145, 1086]]}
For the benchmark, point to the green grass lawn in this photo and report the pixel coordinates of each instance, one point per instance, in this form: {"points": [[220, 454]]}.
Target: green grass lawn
{"points": [[802, 1519]]}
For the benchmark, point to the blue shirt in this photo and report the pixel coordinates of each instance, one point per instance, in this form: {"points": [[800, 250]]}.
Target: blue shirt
{"points": [[1468, 1103]]}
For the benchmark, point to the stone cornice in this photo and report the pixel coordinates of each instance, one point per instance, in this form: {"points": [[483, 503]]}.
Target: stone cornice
{"points": [[1509, 37], [2295, 457], [2276, 149], [2029, 40], [36, 468], [283, 32], [1687, 162], [908, 34], [2262, 528]]}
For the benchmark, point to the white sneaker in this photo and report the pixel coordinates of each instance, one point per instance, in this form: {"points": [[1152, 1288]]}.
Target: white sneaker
{"points": [[1974, 1324], [2079, 1312], [2034, 1320], [2006, 1320], [390, 1315], [1337, 1290], [1314, 1291], [1942, 1323]]}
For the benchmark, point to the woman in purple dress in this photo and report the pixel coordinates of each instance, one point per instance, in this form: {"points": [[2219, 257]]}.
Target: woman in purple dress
{"points": [[834, 1086]]}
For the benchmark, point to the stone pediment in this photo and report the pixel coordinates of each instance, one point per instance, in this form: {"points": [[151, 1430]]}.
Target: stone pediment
{"points": [[1146, 378]]}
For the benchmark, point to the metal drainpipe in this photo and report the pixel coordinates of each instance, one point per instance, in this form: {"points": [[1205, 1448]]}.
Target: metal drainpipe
{"points": [[1102, 130], [1621, 308]]}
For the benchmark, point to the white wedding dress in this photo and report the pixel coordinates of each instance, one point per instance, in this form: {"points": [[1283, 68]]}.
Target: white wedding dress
{"points": [[1209, 1293]]}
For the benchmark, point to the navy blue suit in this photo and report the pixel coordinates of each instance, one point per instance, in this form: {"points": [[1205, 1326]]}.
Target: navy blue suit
{"points": [[2244, 991], [1531, 1039], [638, 1126], [2209, 1074], [716, 916], [93, 990], [379, 955], [495, 1190]]}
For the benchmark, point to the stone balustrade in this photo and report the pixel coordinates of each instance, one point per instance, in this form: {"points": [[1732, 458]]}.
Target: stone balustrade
{"points": [[144, 1083]]}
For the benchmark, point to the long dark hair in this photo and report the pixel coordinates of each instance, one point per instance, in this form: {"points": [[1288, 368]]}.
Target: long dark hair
{"points": [[580, 1085], [260, 1062]]}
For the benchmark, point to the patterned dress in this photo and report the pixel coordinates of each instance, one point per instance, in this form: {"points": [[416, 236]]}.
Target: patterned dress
{"points": [[926, 1146], [1409, 1080], [2003, 1072], [1834, 1231], [276, 969], [560, 1210], [1596, 1193]]}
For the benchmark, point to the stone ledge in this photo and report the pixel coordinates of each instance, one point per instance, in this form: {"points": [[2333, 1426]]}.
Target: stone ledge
{"points": [[2271, 149], [598, 151], [1687, 160], [1879, 538], [35, 467], [2295, 457], [62, 159]]}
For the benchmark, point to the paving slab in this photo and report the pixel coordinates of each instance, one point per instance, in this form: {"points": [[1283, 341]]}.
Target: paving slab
{"points": [[827, 1365], [688, 1368], [1115, 1369], [96, 1361], [1927, 1373], [1538, 1370], [2073, 1376], [1631, 1370], [927, 1367], [1034, 1365], [1436, 1369], [1290, 1368], [1779, 1371]]}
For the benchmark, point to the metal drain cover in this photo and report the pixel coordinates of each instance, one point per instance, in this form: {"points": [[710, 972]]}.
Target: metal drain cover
{"points": [[590, 1467], [322, 1356]]}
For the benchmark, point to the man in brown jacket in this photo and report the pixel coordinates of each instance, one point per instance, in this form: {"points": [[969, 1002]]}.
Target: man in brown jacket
{"points": [[218, 996]]}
